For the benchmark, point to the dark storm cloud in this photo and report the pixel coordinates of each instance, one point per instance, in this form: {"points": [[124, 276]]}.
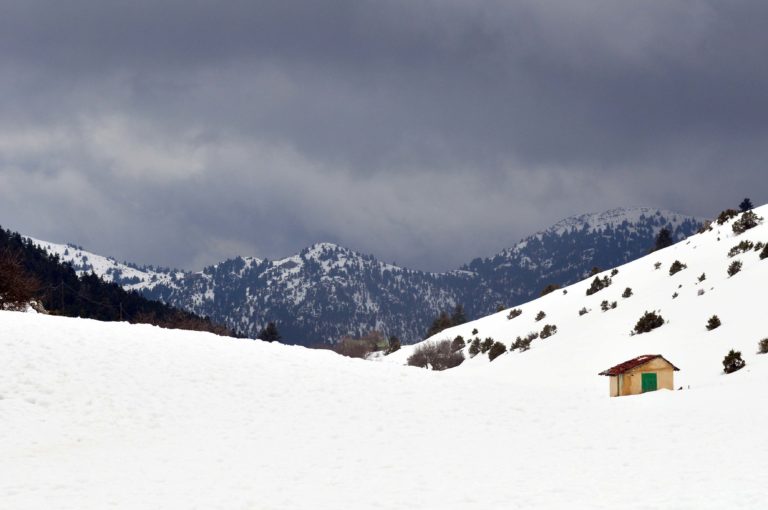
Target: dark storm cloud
{"points": [[427, 132]]}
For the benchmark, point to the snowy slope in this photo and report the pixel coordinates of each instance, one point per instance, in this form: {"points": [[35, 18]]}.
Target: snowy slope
{"points": [[601, 339], [110, 415]]}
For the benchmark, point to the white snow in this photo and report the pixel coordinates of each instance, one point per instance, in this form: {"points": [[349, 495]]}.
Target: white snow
{"points": [[110, 415]]}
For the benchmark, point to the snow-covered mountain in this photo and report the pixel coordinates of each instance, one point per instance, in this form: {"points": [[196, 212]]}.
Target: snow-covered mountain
{"points": [[722, 275], [97, 415], [327, 291]]}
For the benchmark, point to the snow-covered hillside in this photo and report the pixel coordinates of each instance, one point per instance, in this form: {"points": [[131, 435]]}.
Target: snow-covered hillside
{"points": [[599, 339], [110, 415]]}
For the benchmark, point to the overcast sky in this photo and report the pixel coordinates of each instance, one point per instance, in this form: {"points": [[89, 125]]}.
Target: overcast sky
{"points": [[425, 132]]}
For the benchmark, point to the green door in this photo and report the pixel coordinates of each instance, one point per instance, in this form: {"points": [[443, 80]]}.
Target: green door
{"points": [[649, 382]]}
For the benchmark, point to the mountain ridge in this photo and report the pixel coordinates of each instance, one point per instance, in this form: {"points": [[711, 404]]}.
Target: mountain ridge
{"points": [[326, 290]]}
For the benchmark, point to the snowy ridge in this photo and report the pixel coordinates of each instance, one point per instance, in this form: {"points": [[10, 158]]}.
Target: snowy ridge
{"points": [[686, 300]]}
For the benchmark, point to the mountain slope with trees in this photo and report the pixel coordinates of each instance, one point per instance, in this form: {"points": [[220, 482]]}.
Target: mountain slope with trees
{"points": [[327, 292]]}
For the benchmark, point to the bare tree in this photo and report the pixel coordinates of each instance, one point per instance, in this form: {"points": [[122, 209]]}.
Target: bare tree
{"points": [[17, 287]]}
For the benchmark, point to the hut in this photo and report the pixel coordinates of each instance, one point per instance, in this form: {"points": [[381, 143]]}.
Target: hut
{"points": [[648, 372]]}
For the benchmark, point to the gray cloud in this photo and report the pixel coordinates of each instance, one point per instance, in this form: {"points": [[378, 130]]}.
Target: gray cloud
{"points": [[425, 132]]}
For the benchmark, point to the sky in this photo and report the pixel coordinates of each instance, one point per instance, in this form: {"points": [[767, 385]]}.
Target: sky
{"points": [[425, 132]]}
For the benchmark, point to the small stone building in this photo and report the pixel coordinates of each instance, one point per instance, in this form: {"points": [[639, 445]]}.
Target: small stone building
{"points": [[648, 372]]}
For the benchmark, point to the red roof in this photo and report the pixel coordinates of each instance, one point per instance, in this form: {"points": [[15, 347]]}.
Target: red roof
{"points": [[628, 365]]}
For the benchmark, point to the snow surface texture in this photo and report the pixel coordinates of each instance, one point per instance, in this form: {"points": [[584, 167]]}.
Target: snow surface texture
{"points": [[109, 415]]}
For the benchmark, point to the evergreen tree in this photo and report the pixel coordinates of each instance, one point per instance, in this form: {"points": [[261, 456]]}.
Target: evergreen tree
{"points": [[663, 239], [441, 322], [269, 333], [746, 205], [458, 316]]}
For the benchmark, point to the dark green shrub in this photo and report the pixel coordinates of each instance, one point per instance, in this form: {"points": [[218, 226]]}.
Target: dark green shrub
{"points": [[496, 350], [515, 312], [762, 346], [474, 347], [436, 355], [548, 331], [648, 322], [583, 311], [598, 284], [742, 247], [458, 343], [486, 345], [713, 323], [676, 267], [604, 305], [627, 293], [674, 296], [703, 277], [540, 315], [474, 331], [523, 344], [614, 272], [726, 215], [549, 289], [734, 268], [747, 221], [746, 205], [595, 271], [657, 265], [733, 362], [764, 253]]}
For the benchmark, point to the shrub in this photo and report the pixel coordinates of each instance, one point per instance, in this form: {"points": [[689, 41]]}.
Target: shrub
{"points": [[515, 312], [759, 246], [458, 343], [746, 205], [676, 267], [764, 253], [614, 304], [707, 225], [703, 277], [549, 289], [627, 293], [523, 344], [700, 292], [583, 311], [540, 315], [437, 355], [394, 345], [743, 246], [657, 265], [734, 268], [474, 347], [496, 350], [604, 305], [675, 295], [486, 345], [598, 284], [747, 221], [474, 331], [713, 323], [648, 322], [548, 331], [726, 215], [762, 346], [595, 271], [733, 362], [614, 272]]}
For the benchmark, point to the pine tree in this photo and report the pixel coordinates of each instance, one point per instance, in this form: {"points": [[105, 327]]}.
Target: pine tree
{"points": [[746, 205], [458, 316], [663, 239], [269, 333]]}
